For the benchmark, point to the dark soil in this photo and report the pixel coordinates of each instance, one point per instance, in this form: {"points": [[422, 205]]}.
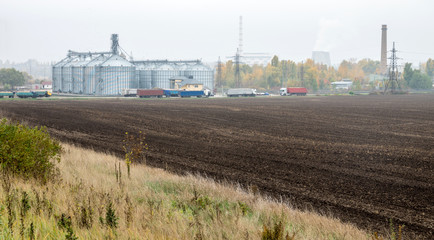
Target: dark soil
{"points": [[364, 159]]}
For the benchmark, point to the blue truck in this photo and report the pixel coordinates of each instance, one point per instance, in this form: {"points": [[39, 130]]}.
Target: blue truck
{"points": [[198, 94], [171, 93]]}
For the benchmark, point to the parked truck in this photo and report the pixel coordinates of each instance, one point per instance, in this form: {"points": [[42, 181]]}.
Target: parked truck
{"points": [[171, 93], [41, 94], [7, 94], [148, 93], [241, 92], [159, 93], [129, 92], [25, 95], [298, 91], [185, 94]]}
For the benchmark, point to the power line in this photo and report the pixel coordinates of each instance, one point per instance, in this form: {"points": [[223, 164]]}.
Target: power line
{"points": [[417, 53]]}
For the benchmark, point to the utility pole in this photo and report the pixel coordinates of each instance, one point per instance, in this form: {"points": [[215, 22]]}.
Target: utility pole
{"points": [[393, 72]]}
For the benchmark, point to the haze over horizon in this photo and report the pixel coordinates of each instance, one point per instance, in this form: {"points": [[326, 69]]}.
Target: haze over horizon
{"points": [[192, 29]]}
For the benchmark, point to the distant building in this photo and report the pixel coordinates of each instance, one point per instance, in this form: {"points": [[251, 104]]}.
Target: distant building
{"points": [[321, 57], [345, 84], [47, 85], [184, 83]]}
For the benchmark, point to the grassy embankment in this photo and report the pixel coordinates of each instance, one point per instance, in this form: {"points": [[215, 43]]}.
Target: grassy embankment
{"points": [[151, 204]]}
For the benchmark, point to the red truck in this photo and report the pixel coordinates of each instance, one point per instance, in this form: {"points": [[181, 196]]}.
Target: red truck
{"points": [[299, 91], [147, 93]]}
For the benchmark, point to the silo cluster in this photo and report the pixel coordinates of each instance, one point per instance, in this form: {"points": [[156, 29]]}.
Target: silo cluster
{"points": [[108, 73], [93, 74], [156, 74]]}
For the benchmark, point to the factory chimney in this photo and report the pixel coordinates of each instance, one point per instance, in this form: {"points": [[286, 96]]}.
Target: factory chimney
{"points": [[115, 44], [383, 63]]}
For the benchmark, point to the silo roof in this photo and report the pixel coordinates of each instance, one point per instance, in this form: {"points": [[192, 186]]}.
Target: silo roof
{"points": [[71, 62], [165, 67], [199, 67], [117, 61], [96, 61], [80, 62], [143, 66], [63, 62], [182, 67]]}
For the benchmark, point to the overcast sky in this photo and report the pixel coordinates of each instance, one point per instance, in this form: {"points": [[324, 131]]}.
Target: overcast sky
{"points": [[200, 29]]}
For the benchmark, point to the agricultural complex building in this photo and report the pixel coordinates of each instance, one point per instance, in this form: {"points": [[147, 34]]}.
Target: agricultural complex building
{"points": [[107, 73]]}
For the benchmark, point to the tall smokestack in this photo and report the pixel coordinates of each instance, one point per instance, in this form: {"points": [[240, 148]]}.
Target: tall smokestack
{"points": [[115, 44], [383, 63]]}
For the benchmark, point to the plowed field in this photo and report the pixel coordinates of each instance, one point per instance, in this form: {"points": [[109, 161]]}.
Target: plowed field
{"points": [[364, 159]]}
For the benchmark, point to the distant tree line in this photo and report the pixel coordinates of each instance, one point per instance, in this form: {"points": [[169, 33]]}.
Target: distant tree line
{"points": [[10, 78], [314, 76]]}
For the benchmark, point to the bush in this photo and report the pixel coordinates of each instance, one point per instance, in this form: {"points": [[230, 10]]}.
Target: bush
{"points": [[28, 152]]}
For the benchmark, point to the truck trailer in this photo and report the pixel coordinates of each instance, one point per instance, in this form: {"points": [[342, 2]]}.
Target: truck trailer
{"points": [[148, 93], [129, 92], [298, 91], [7, 94], [241, 92], [185, 94]]}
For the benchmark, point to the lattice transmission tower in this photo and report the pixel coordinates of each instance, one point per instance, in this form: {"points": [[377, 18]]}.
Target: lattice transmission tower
{"points": [[392, 82]]}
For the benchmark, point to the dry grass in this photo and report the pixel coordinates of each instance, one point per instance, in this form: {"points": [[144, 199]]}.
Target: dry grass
{"points": [[154, 204]]}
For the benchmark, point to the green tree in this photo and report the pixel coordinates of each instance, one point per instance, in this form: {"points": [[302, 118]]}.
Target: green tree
{"points": [[369, 66], [10, 78], [420, 81], [275, 61], [408, 73], [430, 67]]}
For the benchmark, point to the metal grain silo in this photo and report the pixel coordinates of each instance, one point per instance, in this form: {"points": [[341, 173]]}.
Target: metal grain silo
{"points": [[144, 74], [57, 74], [182, 67], [202, 74], [116, 73], [67, 76], [91, 75], [161, 75], [77, 72]]}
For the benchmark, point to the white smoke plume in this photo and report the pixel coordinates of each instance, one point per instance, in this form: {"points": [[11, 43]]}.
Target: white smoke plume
{"points": [[330, 35]]}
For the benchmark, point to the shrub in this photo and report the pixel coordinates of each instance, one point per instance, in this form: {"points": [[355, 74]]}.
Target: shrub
{"points": [[134, 147], [110, 216], [28, 152], [65, 223], [276, 232]]}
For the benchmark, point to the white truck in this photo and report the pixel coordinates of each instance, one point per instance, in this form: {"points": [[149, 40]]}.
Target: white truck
{"points": [[129, 92], [241, 92]]}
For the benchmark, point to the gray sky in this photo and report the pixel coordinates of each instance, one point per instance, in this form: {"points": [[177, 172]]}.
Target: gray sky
{"points": [[200, 29]]}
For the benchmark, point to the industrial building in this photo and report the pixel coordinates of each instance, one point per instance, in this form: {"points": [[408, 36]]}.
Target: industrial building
{"points": [[108, 73], [345, 84], [321, 57]]}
